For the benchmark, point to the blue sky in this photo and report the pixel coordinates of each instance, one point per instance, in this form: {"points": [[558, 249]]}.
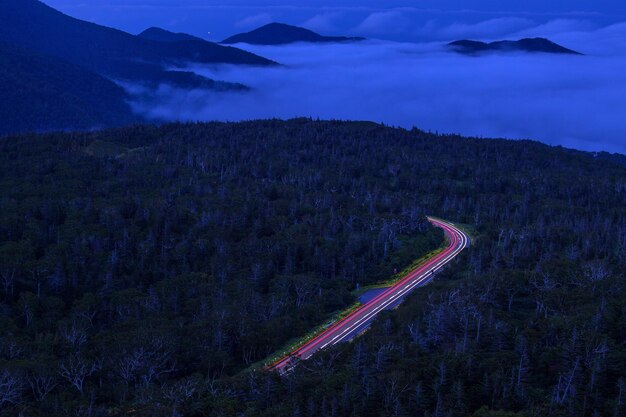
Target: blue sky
{"points": [[398, 20]]}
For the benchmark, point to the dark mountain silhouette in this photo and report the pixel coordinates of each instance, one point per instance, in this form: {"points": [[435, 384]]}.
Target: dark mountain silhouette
{"points": [[523, 45], [162, 35], [615, 158], [116, 54], [40, 92], [280, 34]]}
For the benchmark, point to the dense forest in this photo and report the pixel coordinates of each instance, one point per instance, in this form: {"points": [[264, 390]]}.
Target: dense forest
{"points": [[145, 270]]}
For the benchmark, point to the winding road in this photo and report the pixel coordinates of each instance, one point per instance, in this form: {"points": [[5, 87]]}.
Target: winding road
{"points": [[357, 321]]}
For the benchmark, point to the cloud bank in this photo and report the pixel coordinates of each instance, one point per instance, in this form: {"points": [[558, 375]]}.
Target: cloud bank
{"points": [[574, 101]]}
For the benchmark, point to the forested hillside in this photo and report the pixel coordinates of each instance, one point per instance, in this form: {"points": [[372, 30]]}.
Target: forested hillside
{"points": [[144, 269], [40, 93]]}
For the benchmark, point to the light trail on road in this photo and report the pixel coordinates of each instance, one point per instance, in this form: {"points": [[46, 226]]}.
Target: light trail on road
{"points": [[356, 322]]}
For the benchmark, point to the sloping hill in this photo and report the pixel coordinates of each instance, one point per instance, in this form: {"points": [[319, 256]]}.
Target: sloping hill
{"points": [[35, 26], [40, 92], [162, 35], [522, 45], [280, 34]]}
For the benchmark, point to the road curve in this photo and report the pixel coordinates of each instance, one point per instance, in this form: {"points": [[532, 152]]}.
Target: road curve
{"points": [[356, 322]]}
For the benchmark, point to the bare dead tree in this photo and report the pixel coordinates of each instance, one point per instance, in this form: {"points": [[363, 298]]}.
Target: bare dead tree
{"points": [[74, 334], [76, 369], [564, 388], [41, 384], [11, 387]]}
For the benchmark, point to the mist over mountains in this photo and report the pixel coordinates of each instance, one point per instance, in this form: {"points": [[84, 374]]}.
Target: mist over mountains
{"points": [[567, 100], [169, 76], [59, 72]]}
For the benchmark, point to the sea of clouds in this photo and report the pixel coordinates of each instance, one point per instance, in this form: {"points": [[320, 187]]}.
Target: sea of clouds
{"points": [[574, 101]]}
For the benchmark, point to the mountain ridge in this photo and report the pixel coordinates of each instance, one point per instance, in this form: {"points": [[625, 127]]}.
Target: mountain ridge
{"points": [[58, 72], [282, 34], [35, 26], [533, 45], [162, 35]]}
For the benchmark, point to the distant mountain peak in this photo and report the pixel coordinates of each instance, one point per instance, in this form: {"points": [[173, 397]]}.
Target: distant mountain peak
{"points": [[281, 33], [537, 45], [161, 35], [282, 25], [110, 52]]}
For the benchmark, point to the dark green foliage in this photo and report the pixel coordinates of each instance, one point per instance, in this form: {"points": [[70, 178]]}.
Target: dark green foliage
{"points": [[132, 259], [144, 268]]}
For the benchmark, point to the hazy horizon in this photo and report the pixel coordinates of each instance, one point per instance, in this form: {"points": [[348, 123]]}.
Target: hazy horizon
{"points": [[419, 85], [407, 78], [400, 20]]}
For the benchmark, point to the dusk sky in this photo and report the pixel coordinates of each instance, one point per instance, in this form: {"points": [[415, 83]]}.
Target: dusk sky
{"points": [[399, 20]]}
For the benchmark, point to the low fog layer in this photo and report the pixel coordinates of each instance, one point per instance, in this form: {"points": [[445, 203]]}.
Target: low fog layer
{"points": [[574, 101]]}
